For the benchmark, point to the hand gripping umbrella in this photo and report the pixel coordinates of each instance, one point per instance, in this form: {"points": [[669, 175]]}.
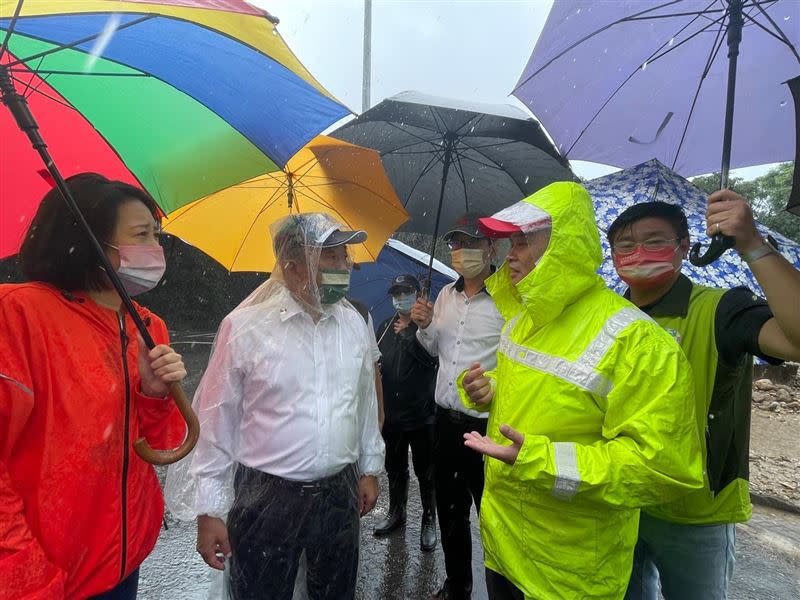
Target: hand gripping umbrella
{"points": [[27, 124], [624, 81]]}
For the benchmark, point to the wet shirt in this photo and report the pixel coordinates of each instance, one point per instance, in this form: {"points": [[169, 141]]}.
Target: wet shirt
{"points": [[287, 396], [463, 331]]}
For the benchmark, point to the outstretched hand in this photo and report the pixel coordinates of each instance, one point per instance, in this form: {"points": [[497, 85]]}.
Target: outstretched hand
{"points": [[486, 446]]}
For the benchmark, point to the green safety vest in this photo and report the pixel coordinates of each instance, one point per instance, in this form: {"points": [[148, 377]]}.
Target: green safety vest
{"points": [[723, 394]]}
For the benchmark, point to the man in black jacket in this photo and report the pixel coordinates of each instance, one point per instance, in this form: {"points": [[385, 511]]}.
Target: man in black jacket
{"points": [[409, 379]]}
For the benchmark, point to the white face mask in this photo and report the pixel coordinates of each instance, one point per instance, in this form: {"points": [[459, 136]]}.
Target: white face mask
{"points": [[140, 267], [469, 262]]}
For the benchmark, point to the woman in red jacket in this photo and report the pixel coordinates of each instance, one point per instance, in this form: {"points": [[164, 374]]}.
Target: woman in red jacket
{"points": [[79, 510]]}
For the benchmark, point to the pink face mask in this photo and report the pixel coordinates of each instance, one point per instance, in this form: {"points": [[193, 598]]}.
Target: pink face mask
{"points": [[140, 267], [645, 269]]}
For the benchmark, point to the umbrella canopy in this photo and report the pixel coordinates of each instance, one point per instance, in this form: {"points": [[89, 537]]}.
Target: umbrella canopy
{"points": [[328, 175], [370, 282], [459, 156], [187, 97], [622, 81], [651, 181]]}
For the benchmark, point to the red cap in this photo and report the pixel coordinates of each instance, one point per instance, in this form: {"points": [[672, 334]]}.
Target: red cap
{"points": [[495, 228]]}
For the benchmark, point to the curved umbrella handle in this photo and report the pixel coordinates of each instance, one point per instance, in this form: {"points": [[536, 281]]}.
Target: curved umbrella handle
{"points": [[167, 457], [719, 243]]}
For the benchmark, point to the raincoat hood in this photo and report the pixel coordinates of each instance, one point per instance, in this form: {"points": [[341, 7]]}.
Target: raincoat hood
{"points": [[568, 268]]}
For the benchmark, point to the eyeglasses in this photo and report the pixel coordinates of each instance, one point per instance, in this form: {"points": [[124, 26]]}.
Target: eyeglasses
{"points": [[471, 243], [653, 245]]}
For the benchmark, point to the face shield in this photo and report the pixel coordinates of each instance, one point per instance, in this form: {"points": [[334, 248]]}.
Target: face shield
{"points": [[313, 259]]}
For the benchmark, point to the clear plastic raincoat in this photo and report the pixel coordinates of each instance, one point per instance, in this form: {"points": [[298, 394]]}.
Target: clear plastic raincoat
{"points": [[604, 398], [289, 391]]}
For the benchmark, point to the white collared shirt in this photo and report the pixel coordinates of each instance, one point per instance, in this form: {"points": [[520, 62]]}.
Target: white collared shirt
{"points": [[463, 331], [286, 396]]}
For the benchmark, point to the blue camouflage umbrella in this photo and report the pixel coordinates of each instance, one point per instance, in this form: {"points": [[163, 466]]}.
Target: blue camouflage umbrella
{"points": [[651, 181], [370, 282]]}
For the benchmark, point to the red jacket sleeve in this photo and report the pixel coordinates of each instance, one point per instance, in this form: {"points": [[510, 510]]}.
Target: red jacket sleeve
{"points": [[25, 571], [160, 421]]}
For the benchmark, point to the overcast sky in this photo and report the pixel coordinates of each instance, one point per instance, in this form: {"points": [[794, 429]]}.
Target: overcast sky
{"points": [[468, 49]]}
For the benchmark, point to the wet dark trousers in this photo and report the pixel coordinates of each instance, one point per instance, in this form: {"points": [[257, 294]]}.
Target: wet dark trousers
{"points": [[501, 588], [273, 520], [125, 590], [421, 442], [459, 483]]}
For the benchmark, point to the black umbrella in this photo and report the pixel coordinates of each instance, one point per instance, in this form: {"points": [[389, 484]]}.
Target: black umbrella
{"points": [[447, 157]]}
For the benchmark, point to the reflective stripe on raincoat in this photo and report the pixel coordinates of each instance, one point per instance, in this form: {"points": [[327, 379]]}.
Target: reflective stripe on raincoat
{"points": [[605, 400]]}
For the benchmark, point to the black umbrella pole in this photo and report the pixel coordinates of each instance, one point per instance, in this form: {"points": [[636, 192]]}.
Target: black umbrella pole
{"points": [[721, 243], [426, 290], [27, 123]]}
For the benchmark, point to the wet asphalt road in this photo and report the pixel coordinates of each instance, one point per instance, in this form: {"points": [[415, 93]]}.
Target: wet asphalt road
{"points": [[394, 568]]}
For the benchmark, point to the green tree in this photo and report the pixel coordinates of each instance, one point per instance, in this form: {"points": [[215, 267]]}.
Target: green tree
{"points": [[768, 195]]}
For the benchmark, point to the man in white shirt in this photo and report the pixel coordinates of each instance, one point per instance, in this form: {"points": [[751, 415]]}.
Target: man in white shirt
{"points": [[288, 411], [462, 328]]}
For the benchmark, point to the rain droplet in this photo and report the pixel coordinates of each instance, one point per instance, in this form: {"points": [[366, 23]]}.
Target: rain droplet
{"points": [[72, 248], [783, 103], [786, 18], [527, 178], [644, 66], [671, 41], [472, 180], [577, 12], [107, 431]]}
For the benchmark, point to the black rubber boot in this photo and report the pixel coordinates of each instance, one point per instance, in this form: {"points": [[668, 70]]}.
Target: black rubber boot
{"points": [[396, 518], [427, 533]]}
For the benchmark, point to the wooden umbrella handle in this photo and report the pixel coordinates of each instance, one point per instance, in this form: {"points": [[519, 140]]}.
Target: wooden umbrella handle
{"points": [[167, 457]]}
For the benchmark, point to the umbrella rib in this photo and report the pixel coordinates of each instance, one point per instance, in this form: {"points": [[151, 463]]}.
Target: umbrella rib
{"points": [[11, 27], [490, 165], [264, 208], [635, 71], [425, 170], [475, 122], [321, 200], [711, 57], [460, 172], [38, 71], [655, 56], [498, 167], [421, 139], [72, 45], [782, 37], [588, 37], [46, 95], [30, 79], [403, 147]]}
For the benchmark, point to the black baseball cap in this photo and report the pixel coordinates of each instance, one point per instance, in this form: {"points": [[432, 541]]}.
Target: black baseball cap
{"points": [[341, 236], [404, 282], [466, 224]]}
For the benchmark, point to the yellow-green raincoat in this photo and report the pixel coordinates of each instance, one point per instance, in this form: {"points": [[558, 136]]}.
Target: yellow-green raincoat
{"points": [[604, 397]]}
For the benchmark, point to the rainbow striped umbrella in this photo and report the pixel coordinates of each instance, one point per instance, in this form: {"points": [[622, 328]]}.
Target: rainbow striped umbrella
{"points": [[183, 97]]}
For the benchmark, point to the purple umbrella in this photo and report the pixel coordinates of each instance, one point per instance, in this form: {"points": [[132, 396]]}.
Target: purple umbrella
{"points": [[623, 81]]}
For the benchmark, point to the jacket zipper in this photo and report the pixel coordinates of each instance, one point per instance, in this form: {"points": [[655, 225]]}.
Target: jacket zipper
{"points": [[125, 458]]}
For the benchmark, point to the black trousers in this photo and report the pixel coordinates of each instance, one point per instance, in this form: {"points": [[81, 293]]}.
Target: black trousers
{"points": [[459, 483], [273, 520], [125, 589], [397, 444], [501, 588]]}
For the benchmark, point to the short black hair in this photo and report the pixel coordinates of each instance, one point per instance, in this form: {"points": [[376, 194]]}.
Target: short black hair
{"points": [[56, 250], [671, 213]]}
